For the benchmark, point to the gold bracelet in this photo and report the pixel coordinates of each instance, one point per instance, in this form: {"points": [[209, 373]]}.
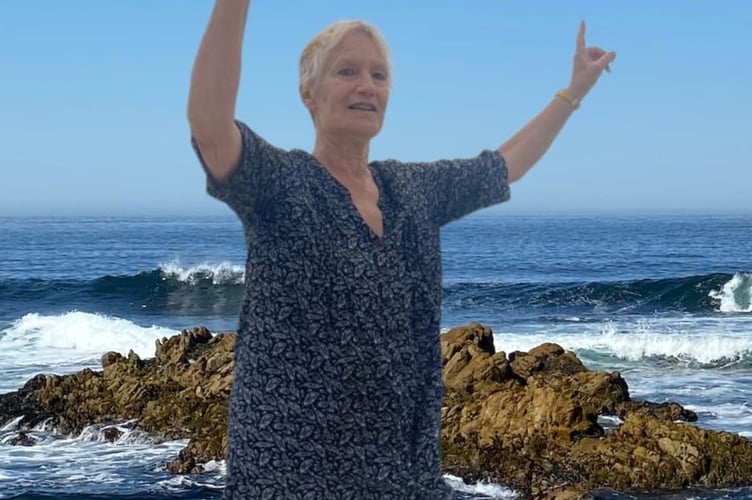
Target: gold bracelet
{"points": [[571, 100]]}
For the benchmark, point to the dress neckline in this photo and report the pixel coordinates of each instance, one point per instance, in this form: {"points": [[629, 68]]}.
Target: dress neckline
{"points": [[346, 192]]}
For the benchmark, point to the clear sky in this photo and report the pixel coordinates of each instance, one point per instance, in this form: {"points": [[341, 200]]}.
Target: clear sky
{"points": [[93, 96]]}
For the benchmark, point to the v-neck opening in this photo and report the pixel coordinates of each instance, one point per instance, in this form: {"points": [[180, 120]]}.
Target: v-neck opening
{"points": [[372, 234], [379, 205]]}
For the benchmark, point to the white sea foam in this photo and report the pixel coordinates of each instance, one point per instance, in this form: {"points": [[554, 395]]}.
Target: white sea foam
{"points": [[724, 416], [489, 490], [219, 274], [609, 422], [83, 464], [213, 477], [12, 425], [77, 335], [97, 433], [736, 295], [687, 347], [707, 341], [219, 466], [68, 342], [181, 482]]}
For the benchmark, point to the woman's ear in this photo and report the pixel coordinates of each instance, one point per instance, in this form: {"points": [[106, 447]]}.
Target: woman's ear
{"points": [[306, 97], [308, 101]]}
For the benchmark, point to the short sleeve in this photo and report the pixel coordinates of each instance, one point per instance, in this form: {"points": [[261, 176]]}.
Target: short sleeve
{"points": [[455, 188], [253, 181]]}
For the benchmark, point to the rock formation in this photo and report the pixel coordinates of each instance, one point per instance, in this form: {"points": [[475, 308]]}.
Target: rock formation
{"points": [[527, 420]]}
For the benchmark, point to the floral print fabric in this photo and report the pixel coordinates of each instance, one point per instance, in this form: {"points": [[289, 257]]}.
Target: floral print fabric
{"points": [[337, 387]]}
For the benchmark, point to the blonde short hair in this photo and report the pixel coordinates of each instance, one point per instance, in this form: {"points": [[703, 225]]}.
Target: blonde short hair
{"points": [[316, 53]]}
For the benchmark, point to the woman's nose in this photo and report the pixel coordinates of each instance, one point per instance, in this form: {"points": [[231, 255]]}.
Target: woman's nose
{"points": [[366, 84]]}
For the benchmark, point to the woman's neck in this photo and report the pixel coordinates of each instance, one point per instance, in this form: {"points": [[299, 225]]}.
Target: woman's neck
{"points": [[345, 157]]}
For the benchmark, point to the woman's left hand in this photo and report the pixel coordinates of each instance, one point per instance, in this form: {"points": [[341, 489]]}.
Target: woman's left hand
{"points": [[589, 64]]}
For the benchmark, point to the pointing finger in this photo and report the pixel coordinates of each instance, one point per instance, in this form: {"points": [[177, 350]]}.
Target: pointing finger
{"points": [[581, 36]]}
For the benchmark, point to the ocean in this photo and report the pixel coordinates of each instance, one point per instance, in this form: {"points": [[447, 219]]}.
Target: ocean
{"points": [[666, 300]]}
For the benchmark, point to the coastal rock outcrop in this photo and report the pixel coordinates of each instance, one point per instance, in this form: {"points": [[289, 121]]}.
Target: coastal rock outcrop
{"points": [[530, 420], [183, 392]]}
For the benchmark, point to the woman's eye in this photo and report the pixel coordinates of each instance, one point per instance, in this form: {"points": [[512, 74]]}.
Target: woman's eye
{"points": [[380, 76], [346, 72]]}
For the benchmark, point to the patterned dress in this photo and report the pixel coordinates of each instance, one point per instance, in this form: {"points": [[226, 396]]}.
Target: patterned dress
{"points": [[337, 389]]}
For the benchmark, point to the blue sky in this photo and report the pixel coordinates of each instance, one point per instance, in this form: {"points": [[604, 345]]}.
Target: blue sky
{"points": [[93, 97]]}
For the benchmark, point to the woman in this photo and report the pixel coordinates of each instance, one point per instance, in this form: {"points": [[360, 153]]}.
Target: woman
{"points": [[337, 387]]}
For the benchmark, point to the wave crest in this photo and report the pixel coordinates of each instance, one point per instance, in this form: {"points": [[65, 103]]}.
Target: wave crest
{"points": [[708, 293], [223, 273], [735, 296]]}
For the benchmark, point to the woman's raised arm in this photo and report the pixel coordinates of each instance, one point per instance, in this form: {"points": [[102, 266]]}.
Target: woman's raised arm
{"points": [[214, 88]]}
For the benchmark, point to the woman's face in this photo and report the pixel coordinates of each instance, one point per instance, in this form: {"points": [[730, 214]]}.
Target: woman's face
{"points": [[351, 96]]}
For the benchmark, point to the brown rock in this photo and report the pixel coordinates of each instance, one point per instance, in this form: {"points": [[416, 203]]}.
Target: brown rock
{"points": [[111, 434], [470, 365], [111, 357], [537, 429], [22, 439]]}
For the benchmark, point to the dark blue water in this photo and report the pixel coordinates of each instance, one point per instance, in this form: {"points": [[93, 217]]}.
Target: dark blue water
{"points": [[665, 299], [521, 266]]}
